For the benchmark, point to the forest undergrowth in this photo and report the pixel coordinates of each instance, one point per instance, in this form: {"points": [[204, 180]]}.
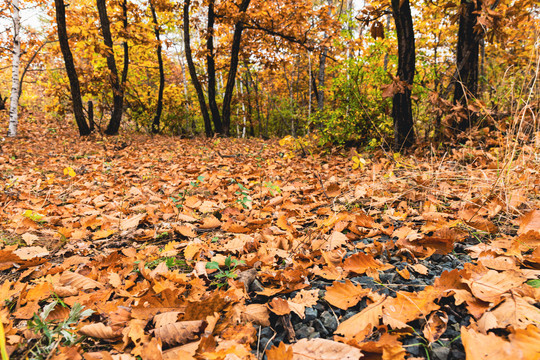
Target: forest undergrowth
{"points": [[164, 248]]}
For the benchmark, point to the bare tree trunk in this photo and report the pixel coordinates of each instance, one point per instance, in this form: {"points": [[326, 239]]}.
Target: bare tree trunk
{"points": [[157, 116], [211, 67], [401, 106], [193, 72], [235, 50], [70, 68], [118, 91], [14, 102]]}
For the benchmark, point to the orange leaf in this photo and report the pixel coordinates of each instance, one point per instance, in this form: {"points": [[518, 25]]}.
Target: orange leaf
{"points": [[281, 352], [530, 221], [180, 332], [368, 317], [99, 331], [279, 306], [345, 295], [359, 263]]}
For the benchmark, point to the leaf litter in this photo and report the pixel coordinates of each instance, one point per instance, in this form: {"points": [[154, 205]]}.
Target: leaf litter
{"points": [[167, 248]]}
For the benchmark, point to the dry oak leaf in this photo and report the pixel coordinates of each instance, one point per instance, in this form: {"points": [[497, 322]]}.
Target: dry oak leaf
{"points": [[308, 298], [530, 221], [490, 286], [281, 352], [210, 222], [39, 292], [78, 281], [256, 313], [30, 252], [368, 317], [517, 312], [359, 263], [527, 341], [345, 295], [103, 355], [420, 269], [435, 326], [279, 306], [184, 352], [180, 332], [487, 347], [166, 318], [99, 331], [324, 349], [407, 307]]}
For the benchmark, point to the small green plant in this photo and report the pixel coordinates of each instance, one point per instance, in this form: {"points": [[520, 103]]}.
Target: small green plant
{"points": [[243, 195], [534, 283], [179, 200], [53, 334], [272, 188], [170, 261], [34, 216], [228, 272]]}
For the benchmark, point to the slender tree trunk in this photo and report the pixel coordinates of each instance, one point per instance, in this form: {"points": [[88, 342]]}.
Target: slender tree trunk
{"points": [[157, 116], [402, 108], [468, 46], [84, 129], [125, 45], [193, 72], [235, 50], [16, 64], [211, 67], [118, 92]]}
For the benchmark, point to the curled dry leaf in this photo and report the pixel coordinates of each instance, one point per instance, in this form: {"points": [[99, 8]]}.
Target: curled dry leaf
{"points": [[78, 281], [256, 313], [279, 306], [345, 295], [325, 350], [99, 331], [180, 332], [435, 326]]}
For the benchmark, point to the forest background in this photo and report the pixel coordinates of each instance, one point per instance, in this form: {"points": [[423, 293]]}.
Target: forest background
{"points": [[276, 68]]}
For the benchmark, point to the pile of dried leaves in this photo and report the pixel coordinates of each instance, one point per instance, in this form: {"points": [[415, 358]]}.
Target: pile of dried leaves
{"points": [[162, 248]]}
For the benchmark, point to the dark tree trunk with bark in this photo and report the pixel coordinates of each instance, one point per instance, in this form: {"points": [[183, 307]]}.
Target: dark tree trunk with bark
{"points": [[466, 83], [118, 91], [159, 109], [125, 44], [235, 51], [3, 102], [401, 106], [211, 66], [84, 129], [193, 72]]}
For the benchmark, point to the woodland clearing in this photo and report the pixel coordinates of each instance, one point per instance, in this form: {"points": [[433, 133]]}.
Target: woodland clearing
{"points": [[156, 247]]}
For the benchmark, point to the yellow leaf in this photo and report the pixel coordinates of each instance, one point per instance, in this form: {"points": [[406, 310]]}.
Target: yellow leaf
{"points": [[69, 171]]}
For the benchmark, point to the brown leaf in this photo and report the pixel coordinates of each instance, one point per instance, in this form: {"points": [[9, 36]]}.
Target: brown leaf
{"points": [[490, 286], [324, 349], [78, 281], [99, 331], [180, 332], [435, 326], [530, 221]]}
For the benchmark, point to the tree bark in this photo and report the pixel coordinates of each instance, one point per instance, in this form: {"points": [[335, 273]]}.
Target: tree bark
{"points": [[468, 46], [401, 107], [118, 91], [16, 64], [159, 109], [211, 67], [84, 129], [193, 72], [235, 51]]}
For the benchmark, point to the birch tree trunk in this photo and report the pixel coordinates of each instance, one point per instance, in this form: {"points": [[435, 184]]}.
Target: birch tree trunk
{"points": [[14, 105]]}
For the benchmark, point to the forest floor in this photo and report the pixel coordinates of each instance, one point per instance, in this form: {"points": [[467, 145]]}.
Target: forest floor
{"points": [[166, 248]]}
